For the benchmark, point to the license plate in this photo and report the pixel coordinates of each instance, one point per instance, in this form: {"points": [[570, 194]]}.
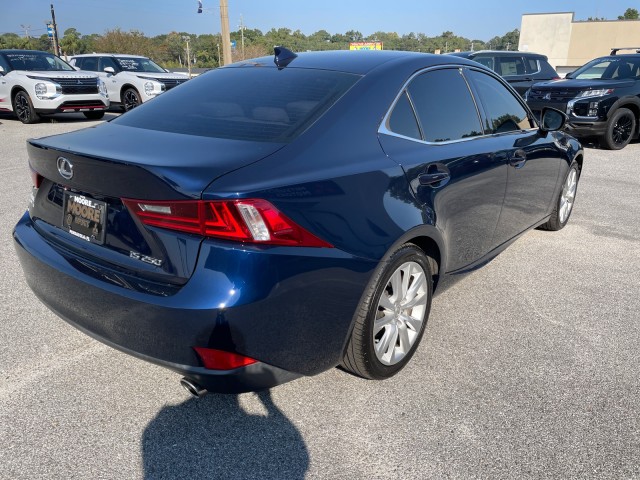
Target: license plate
{"points": [[84, 217]]}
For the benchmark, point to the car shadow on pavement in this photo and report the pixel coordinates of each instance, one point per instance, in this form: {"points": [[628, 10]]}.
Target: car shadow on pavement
{"points": [[214, 437]]}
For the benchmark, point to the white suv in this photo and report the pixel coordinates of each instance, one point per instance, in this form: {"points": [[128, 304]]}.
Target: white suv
{"points": [[130, 79], [34, 83]]}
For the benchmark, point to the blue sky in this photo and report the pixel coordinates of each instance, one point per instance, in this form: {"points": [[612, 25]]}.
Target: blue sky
{"points": [[474, 19]]}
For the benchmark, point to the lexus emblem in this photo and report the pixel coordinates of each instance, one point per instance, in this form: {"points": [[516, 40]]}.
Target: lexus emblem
{"points": [[547, 96], [65, 168]]}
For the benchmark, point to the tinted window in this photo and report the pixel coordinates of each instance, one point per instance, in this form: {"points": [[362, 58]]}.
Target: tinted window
{"points": [[532, 65], [89, 63], [444, 106], [402, 120], [107, 62], [505, 113], [609, 68], [511, 66], [245, 103], [486, 61]]}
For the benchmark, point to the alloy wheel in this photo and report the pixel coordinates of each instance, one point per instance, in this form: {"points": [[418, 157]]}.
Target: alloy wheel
{"points": [[568, 195], [23, 109], [622, 130], [401, 311]]}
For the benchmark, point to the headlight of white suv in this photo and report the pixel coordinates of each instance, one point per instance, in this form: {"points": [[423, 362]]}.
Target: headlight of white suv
{"points": [[47, 90], [102, 88], [153, 88]]}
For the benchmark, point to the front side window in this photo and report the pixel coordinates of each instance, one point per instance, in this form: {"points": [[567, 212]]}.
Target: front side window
{"points": [[444, 106], [89, 63], [107, 62], [504, 112]]}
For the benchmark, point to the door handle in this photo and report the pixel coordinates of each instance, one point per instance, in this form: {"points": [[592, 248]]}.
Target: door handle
{"points": [[518, 159], [432, 178]]}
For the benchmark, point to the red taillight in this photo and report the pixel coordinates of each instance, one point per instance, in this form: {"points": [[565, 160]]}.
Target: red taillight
{"points": [[251, 220], [36, 178], [220, 360]]}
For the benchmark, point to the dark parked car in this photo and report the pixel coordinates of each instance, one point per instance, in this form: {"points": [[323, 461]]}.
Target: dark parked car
{"points": [[520, 69], [601, 99], [263, 222]]}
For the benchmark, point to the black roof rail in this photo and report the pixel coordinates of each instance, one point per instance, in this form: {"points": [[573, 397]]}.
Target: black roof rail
{"points": [[614, 51]]}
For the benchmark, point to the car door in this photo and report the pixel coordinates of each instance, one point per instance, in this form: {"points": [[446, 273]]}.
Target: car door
{"points": [[113, 85], [533, 158], [5, 87], [434, 132]]}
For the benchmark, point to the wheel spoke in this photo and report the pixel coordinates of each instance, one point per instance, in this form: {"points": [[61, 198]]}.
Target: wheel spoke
{"points": [[396, 286], [407, 271], [405, 342], [412, 322], [382, 322], [415, 301], [409, 298], [387, 342], [386, 303]]}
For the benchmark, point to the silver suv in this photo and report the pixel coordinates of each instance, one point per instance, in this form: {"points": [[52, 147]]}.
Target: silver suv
{"points": [[130, 79]]}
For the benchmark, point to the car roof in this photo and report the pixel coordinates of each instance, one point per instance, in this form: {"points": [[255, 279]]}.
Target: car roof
{"points": [[497, 53], [356, 61], [16, 50], [124, 55]]}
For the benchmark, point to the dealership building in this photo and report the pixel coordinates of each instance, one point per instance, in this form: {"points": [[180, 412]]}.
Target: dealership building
{"points": [[569, 44]]}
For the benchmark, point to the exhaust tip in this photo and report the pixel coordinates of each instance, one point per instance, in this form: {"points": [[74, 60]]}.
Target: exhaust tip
{"points": [[194, 389]]}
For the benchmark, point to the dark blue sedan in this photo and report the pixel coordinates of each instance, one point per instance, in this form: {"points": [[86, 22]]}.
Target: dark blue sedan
{"points": [[273, 219]]}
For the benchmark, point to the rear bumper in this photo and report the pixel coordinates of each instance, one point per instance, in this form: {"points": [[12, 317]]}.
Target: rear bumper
{"points": [[289, 308]]}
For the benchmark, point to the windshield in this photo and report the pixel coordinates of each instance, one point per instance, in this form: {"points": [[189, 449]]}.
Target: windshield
{"points": [[37, 61], [259, 104], [610, 68], [139, 64]]}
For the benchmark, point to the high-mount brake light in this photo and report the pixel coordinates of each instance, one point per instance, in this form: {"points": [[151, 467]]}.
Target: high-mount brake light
{"points": [[247, 220]]}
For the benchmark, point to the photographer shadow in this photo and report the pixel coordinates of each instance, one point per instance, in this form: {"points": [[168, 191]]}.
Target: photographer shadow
{"points": [[214, 437]]}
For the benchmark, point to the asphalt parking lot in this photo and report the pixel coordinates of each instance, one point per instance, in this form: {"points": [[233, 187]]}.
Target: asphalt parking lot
{"points": [[529, 368]]}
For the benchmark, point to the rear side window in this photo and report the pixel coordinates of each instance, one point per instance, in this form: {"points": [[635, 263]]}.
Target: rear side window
{"points": [[504, 112], [486, 61], [402, 120], [511, 66], [90, 63], [244, 103], [444, 106], [532, 65]]}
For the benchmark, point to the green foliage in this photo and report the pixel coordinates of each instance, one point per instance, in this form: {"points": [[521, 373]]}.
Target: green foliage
{"points": [[170, 49], [629, 14]]}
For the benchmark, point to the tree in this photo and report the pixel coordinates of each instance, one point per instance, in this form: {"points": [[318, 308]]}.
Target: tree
{"points": [[629, 14], [71, 42]]}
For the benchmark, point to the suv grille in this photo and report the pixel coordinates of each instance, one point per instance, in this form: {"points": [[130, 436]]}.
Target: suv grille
{"points": [[556, 95], [77, 86], [169, 83]]}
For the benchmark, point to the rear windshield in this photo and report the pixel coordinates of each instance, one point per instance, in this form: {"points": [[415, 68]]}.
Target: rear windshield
{"points": [[244, 103]]}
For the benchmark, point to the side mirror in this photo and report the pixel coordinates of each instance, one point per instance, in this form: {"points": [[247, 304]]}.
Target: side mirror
{"points": [[552, 120], [110, 70], [1, 70]]}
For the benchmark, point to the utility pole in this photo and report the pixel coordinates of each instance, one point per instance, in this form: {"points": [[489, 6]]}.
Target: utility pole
{"points": [[26, 29], [226, 38], [219, 59], [56, 45], [242, 34], [186, 38]]}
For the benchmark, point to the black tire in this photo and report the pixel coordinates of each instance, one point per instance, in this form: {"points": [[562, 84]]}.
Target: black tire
{"points": [[621, 128], [130, 99], [360, 356], [23, 108], [560, 218], [94, 115]]}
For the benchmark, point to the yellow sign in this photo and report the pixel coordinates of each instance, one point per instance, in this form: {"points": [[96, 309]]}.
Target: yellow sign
{"points": [[365, 46]]}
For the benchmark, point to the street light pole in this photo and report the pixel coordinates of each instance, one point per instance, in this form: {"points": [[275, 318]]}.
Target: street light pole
{"points": [[226, 37], [242, 34], [186, 38]]}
